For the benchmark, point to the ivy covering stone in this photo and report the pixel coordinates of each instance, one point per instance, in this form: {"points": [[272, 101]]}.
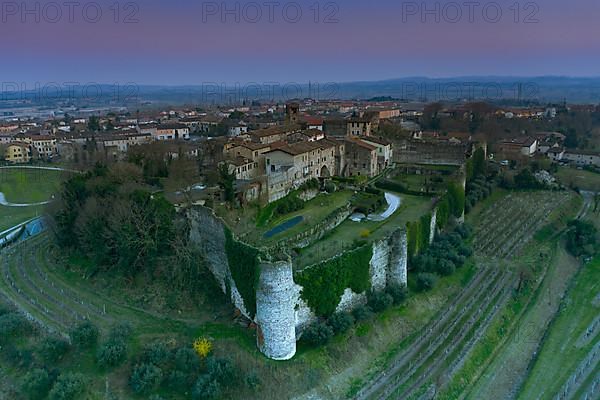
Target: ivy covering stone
{"points": [[245, 270], [324, 284]]}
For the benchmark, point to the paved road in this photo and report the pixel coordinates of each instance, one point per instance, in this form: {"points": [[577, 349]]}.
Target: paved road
{"points": [[394, 203]]}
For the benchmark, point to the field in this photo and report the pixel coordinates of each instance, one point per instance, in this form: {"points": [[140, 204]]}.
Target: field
{"points": [[584, 180], [566, 363], [29, 185], [25, 186], [453, 349]]}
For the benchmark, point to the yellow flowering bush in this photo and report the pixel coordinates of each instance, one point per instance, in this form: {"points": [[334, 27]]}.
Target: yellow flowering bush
{"points": [[203, 347]]}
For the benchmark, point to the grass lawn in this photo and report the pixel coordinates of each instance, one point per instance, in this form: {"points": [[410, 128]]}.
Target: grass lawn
{"points": [[313, 212], [11, 216], [585, 180], [560, 354], [345, 235], [29, 185]]}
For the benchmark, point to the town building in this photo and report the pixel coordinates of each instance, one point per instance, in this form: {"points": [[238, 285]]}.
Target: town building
{"points": [[289, 166], [361, 158], [18, 153]]}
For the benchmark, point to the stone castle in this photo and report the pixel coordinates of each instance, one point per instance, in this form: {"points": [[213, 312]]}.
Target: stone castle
{"points": [[281, 313]]}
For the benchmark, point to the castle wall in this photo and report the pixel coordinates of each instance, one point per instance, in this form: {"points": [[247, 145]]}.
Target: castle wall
{"points": [[398, 259], [351, 300], [430, 153], [275, 310], [280, 310], [379, 264], [208, 233], [433, 226]]}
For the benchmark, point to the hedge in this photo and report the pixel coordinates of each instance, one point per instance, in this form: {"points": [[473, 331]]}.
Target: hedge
{"points": [[324, 284], [245, 270], [397, 187]]}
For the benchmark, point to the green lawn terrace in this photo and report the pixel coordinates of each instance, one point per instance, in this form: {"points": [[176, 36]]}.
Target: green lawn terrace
{"points": [[251, 223], [348, 234]]}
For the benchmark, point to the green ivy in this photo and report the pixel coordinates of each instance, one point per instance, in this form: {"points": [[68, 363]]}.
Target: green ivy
{"points": [[456, 199], [324, 284], [418, 235], [443, 212], [245, 270]]}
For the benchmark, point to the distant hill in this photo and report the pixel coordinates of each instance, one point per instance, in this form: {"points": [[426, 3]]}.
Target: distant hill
{"points": [[512, 90]]}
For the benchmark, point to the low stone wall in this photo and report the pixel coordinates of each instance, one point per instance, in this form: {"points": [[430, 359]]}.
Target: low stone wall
{"points": [[315, 233]]}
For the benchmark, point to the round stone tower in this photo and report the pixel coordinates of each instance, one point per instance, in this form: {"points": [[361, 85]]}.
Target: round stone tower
{"points": [[275, 313]]}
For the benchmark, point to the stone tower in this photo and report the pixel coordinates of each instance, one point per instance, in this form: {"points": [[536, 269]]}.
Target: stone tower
{"points": [[292, 113], [275, 310]]}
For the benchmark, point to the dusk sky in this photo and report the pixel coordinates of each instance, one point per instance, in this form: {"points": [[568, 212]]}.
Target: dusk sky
{"points": [[186, 42]]}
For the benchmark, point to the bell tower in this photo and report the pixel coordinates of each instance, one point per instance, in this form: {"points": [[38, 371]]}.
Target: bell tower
{"points": [[292, 111]]}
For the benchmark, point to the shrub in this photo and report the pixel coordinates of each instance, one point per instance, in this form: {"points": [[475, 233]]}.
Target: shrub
{"points": [[341, 322], [85, 335], [145, 378], [425, 281], [178, 381], [330, 187], [446, 267], [156, 353], [68, 387], [362, 313], [121, 331], [186, 360], [53, 349], [13, 324], [318, 333], [15, 357], [203, 347], [221, 369], [112, 353], [37, 384], [380, 301], [399, 293], [206, 388], [465, 250]]}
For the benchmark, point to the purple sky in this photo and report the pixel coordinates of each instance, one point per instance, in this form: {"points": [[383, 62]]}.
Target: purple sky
{"points": [[372, 40]]}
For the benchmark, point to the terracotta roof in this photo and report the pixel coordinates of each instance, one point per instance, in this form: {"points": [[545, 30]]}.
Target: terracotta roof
{"points": [[360, 143], [376, 139], [304, 147]]}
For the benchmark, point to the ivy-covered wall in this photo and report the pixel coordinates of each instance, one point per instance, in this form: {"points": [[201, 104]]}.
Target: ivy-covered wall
{"points": [[245, 270], [324, 284], [418, 235], [451, 204]]}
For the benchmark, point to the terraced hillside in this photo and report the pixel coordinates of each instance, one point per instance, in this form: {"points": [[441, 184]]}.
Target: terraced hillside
{"points": [[434, 358], [29, 281]]}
